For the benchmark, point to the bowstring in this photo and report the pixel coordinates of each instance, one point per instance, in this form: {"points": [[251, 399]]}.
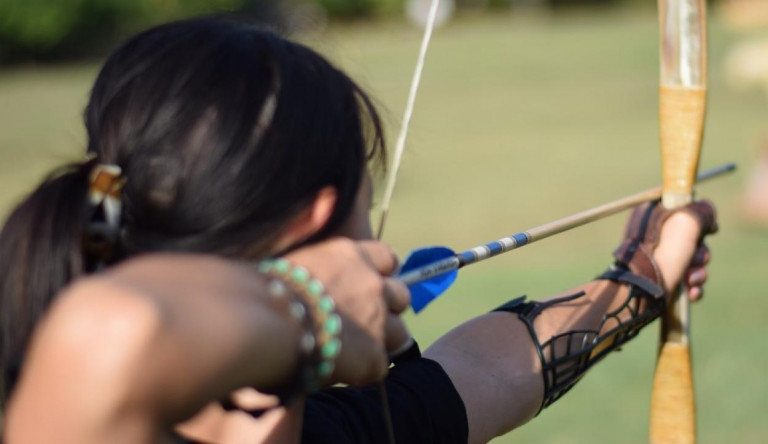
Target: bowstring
{"points": [[401, 137], [395, 167]]}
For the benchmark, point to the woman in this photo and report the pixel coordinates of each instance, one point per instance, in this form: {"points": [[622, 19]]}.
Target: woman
{"points": [[216, 138]]}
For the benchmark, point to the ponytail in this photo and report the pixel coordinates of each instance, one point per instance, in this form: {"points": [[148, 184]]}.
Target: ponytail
{"points": [[40, 253]]}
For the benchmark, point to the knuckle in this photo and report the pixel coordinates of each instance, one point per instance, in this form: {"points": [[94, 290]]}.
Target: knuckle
{"points": [[391, 254]]}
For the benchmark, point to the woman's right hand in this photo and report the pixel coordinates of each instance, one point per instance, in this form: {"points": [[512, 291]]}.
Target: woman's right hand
{"points": [[357, 275]]}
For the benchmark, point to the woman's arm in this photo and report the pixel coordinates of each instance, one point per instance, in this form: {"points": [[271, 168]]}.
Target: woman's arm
{"points": [[509, 389], [123, 356]]}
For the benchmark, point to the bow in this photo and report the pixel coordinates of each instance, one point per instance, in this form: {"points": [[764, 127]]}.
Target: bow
{"points": [[682, 105]]}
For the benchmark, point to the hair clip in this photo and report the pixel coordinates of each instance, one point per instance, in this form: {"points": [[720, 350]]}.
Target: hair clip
{"points": [[105, 189]]}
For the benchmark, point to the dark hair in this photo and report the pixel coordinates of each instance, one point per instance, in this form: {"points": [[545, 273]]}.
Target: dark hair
{"points": [[223, 132]]}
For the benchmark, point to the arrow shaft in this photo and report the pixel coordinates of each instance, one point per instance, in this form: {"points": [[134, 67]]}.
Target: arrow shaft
{"points": [[517, 240]]}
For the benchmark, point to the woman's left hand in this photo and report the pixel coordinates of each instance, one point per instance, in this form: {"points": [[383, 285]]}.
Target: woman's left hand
{"points": [[667, 246], [696, 276], [681, 255]]}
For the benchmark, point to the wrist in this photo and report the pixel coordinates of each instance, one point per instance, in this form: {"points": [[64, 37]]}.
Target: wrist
{"points": [[640, 261], [306, 302]]}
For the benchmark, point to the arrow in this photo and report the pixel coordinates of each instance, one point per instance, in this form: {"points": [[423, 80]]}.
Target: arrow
{"points": [[429, 271]]}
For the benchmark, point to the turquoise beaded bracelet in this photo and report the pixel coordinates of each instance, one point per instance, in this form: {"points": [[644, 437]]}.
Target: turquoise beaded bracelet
{"points": [[314, 308]]}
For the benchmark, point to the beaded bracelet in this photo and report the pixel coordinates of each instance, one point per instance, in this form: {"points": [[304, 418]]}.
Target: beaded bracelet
{"points": [[314, 308]]}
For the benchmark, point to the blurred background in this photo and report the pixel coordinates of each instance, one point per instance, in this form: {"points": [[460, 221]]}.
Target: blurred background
{"points": [[529, 110]]}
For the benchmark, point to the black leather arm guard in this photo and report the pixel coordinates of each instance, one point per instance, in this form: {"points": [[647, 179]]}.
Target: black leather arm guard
{"points": [[566, 357]]}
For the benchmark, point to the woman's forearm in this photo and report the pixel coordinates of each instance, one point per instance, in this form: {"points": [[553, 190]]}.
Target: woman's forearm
{"points": [[494, 364], [147, 345]]}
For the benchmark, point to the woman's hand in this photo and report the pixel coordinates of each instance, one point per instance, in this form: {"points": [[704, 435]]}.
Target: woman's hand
{"points": [[682, 255], [357, 277], [667, 246]]}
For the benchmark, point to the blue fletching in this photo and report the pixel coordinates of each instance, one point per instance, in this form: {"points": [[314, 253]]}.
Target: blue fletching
{"points": [[422, 293]]}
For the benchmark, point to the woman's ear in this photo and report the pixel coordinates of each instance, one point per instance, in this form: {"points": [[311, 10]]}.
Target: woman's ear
{"points": [[310, 220]]}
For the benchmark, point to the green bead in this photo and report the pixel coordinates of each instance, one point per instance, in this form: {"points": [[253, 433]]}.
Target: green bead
{"points": [[315, 288], [331, 349], [300, 275], [332, 325], [324, 369], [325, 304], [282, 266]]}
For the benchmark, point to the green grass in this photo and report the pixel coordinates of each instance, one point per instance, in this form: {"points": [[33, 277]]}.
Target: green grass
{"points": [[520, 120]]}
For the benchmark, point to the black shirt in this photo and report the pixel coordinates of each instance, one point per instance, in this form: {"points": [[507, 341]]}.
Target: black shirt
{"points": [[425, 407]]}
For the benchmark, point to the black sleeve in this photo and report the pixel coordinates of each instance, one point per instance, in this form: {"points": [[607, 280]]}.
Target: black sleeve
{"points": [[425, 406]]}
